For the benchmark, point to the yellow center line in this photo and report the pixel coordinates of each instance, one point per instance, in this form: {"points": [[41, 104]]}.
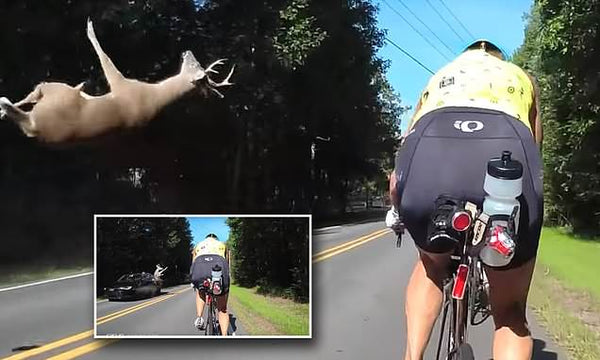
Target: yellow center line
{"points": [[82, 350], [136, 308], [52, 345], [138, 305], [129, 308], [348, 246], [85, 334], [94, 345]]}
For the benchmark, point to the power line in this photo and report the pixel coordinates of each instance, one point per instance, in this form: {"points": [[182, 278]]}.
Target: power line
{"points": [[444, 20], [416, 30], [428, 28], [457, 19], [409, 55]]}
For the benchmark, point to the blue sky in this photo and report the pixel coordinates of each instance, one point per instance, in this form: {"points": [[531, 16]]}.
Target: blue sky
{"points": [[499, 21], [201, 226]]}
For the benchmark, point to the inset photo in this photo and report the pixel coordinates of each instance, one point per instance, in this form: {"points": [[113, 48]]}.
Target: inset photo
{"points": [[194, 276]]}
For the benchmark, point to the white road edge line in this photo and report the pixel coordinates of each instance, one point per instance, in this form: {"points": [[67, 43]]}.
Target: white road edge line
{"points": [[46, 281], [328, 228]]}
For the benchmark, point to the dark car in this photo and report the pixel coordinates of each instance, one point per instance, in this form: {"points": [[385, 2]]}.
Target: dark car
{"points": [[133, 286]]}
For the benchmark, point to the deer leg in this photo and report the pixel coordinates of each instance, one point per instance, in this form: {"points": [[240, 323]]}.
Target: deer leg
{"points": [[10, 111], [32, 98], [112, 74]]}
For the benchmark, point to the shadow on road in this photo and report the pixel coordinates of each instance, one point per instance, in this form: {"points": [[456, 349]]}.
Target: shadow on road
{"points": [[232, 325], [540, 352], [362, 217]]}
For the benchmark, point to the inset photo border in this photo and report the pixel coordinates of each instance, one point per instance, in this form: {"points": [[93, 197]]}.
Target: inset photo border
{"points": [[249, 274]]}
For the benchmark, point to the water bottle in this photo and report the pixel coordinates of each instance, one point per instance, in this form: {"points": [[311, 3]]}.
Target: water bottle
{"points": [[216, 276], [502, 185]]}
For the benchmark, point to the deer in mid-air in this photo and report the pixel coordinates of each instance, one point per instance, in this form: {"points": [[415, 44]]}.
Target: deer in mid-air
{"points": [[158, 274], [63, 113]]}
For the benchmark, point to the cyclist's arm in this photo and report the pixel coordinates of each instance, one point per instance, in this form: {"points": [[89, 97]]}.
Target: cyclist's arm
{"points": [[393, 192], [412, 120]]}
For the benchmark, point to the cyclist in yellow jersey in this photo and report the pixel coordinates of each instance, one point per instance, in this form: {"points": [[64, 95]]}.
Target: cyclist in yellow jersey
{"points": [[205, 255], [471, 110], [210, 246]]}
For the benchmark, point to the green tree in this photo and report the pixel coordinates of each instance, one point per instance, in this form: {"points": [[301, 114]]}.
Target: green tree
{"points": [[305, 70], [271, 253], [132, 244], [561, 50]]}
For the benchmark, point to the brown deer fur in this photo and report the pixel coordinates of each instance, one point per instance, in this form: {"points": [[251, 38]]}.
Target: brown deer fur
{"points": [[62, 113]]}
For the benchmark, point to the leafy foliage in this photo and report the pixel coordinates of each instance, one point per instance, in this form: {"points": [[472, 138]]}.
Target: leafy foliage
{"points": [[271, 253], [562, 50], [305, 70], [132, 244]]}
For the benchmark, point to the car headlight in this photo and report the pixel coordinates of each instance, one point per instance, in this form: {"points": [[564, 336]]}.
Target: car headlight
{"points": [[126, 288]]}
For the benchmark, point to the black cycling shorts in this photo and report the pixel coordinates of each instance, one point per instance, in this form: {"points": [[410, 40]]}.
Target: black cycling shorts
{"points": [[447, 153], [202, 269]]}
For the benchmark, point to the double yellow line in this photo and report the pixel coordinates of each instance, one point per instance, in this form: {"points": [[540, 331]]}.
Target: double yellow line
{"points": [[92, 346], [118, 314], [333, 251], [95, 345]]}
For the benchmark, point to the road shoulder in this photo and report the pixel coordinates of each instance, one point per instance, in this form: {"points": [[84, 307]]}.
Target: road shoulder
{"points": [[268, 315]]}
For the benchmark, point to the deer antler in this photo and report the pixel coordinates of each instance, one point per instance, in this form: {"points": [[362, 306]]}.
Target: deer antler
{"points": [[216, 63], [212, 84]]}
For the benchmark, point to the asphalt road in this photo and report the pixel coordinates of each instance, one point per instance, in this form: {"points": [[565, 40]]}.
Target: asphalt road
{"points": [[170, 314], [357, 305]]}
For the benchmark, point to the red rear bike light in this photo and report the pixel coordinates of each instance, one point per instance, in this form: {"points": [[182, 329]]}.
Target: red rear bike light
{"points": [[460, 282], [206, 284], [461, 221]]}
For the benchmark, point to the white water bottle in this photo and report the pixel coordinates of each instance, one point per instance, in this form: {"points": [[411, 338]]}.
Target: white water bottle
{"points": [[216, 275], [503, 184]]}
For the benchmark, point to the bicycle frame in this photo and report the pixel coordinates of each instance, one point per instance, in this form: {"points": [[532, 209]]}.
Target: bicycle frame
{"points": [[456, 307], [212, 325], [461, 295]]}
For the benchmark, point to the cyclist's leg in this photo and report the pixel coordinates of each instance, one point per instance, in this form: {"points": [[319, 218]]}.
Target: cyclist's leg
{"points": [[423, 301], [509, 286], [508, 297], [222, 299], [200, 300], [223, 315]]}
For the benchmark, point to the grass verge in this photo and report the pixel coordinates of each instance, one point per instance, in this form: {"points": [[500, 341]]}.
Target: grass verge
{"points": [[570, 259], [268, 315], [564, 294], [22, 275]]}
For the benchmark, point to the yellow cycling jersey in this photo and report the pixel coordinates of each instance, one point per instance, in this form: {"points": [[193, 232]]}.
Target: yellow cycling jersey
{"points": [[209, 246], [478, 79]]}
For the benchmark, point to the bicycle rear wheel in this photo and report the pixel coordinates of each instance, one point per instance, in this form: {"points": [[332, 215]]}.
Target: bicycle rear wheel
{"points": [[213, 326], [453, 330], [465, 352], [446, 340], [210, 319]]}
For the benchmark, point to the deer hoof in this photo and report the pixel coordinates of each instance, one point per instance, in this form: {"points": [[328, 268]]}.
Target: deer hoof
{"points": [[3, 103]]}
